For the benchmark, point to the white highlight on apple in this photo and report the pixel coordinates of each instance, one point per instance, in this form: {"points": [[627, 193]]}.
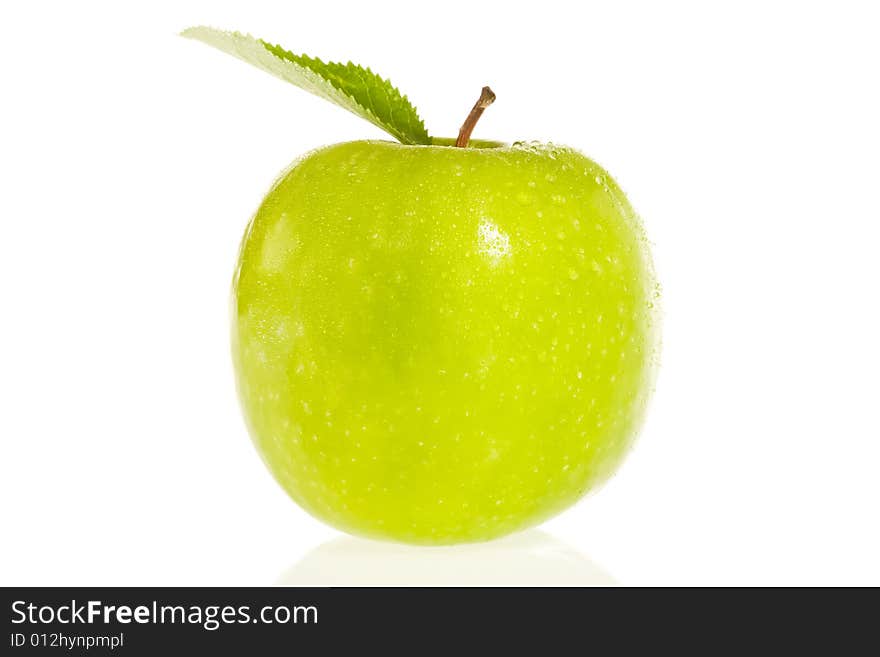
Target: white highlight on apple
{"points": [[493, 241]]}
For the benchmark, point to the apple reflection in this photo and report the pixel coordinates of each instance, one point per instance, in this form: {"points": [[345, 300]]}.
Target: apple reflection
{"points": [[531, 558]]}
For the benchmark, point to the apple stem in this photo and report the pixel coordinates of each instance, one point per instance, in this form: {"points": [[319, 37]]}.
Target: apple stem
{"points": [[487, 97]]}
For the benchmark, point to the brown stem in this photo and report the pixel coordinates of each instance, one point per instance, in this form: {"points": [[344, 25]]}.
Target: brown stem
{"points": [[487, 97]]}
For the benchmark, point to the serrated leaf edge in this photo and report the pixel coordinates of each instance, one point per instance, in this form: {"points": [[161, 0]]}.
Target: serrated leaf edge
{"points": [[315, 83]]}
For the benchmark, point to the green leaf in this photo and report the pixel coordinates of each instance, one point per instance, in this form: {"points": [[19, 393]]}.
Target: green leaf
{"points": [[352, 87]]}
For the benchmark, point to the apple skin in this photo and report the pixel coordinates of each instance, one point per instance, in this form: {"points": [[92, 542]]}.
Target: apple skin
{"points": [[437, 345]]}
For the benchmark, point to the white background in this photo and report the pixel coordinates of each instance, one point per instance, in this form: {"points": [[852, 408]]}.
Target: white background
{"points": [[746, 135]]}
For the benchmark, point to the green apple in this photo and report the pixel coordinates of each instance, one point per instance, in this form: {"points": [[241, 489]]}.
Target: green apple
{"points": [[436, 344]]}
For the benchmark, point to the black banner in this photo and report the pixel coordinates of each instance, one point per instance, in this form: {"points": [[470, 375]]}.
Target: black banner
{"points": [[270, 621]]}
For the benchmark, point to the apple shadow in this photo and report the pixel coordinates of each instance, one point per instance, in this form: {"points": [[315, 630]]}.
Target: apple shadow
{"points": [[531, 558]]}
